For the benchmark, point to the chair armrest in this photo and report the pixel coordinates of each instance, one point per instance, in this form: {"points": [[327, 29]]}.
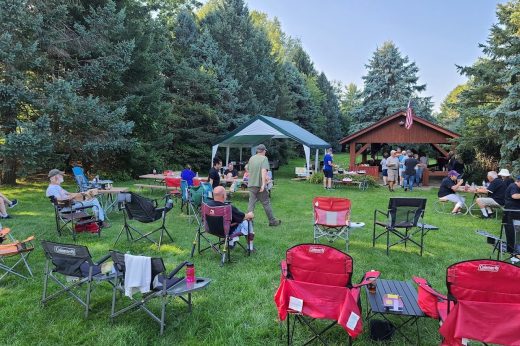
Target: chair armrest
{"points": [[283, 266], [425, 285], [376, 211], [177, 269], [103, 259], [368, 278]]}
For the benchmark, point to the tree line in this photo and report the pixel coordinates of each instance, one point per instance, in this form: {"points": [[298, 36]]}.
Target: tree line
{"points": [[127, 86]]}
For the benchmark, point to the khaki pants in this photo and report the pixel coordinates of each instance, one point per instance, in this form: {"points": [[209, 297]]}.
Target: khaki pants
{"points": [[254, 196]]}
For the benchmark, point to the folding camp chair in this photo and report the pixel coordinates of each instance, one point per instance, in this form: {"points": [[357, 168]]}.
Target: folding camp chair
{"points": [[207, 191], [316, 283], [331, 219], [82, 181], [74, 217], [14, 249], [482, 304], [195, 198], [185, 195], [175, 184], [144, 210], [508, 243], [166, 285], [75, 266], [216, 221], [404, 219]]}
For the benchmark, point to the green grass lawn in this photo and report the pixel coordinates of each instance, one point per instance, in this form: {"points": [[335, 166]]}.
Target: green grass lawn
{"points": [[237, 308]]}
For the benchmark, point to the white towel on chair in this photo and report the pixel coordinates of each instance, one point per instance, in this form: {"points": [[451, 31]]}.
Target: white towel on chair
{"points": [[138, 274]]}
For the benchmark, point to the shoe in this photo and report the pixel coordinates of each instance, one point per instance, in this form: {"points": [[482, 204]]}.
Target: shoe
{"points": [[389, 188], [392, 190], [253, 250], [405, 189], [105, 224], [456, 213], [485, 217], [6, 216], [275, 223], [14, 203]]}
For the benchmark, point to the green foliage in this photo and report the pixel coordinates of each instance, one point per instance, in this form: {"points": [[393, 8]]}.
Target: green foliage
{"points": [[390, 82], [316, 178]]}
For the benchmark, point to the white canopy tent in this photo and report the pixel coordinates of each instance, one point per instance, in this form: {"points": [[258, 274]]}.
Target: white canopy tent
{"points": [[262, 128]]}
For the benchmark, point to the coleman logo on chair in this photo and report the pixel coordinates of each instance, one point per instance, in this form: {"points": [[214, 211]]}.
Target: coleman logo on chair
{"points": [[488, 268], [65, 250], [316, 249]]}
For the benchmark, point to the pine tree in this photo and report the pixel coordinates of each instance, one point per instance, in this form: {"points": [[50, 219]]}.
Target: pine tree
{"points": [[390, 82]]}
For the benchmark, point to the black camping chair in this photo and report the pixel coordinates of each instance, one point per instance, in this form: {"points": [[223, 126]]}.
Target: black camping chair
{"points": [[166, 285], [507, 245], [404, 219], [71, 217], [74, 264], [216, 221], [144, 210]]}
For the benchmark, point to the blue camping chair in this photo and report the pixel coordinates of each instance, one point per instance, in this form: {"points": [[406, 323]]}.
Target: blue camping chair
{"points": [[208, 191], [81, 179]]}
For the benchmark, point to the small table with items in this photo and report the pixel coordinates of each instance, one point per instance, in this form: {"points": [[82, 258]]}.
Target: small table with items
{"points": [[410, 312], [358, 179], [108, 197]]}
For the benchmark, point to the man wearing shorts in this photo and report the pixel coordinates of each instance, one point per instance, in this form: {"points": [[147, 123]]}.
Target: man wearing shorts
{"points": [[448, 191], [392, 164], [496, 193], [327, 170]]}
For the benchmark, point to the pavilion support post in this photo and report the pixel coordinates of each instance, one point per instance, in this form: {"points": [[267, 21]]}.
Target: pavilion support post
{"points": [[352, 155]]}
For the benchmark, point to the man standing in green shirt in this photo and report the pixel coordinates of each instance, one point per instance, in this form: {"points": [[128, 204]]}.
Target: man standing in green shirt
{"points": [[257, 167]]}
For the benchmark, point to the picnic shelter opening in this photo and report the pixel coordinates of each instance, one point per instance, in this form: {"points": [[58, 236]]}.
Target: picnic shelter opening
{"points": [[391, 130]]}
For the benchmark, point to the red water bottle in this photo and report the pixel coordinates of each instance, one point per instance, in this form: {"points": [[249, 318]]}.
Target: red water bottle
{"points": [[190, 274]]}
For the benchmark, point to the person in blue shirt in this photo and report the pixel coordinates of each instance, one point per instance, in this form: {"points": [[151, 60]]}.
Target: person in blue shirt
{"points": [[328, 169], [188, 175]]}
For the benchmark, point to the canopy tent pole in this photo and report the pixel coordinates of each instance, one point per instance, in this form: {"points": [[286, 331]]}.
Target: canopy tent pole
{"points": [[307, 152], [227, 156], [213, 153], [240, 154], [316, 160]]}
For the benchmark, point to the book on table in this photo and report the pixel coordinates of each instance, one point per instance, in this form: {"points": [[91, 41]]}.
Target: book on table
{"points": [[393, 302]]}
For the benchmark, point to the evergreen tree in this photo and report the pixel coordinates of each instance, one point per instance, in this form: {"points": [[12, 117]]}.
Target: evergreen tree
{"points": [[331, 132], [390, 82], [350, 100]]}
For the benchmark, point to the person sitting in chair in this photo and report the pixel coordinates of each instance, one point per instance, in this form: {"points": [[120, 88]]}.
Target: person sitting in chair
{"points": [[82, 199], [239, 220], [230, 174], [496, 192], [5, 202], [448, 191]]}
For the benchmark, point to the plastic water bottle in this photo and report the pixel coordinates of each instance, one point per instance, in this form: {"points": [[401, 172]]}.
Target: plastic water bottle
{"points": [[190, 274], [483, 183], [154, 171]]}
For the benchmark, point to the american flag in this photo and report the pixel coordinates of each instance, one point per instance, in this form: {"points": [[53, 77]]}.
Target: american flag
{"points": [[409, 116]]}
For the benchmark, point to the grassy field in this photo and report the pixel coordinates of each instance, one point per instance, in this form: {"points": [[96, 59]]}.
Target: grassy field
{"points": [[237, 308]]}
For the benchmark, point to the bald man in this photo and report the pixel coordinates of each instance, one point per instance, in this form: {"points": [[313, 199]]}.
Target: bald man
{"points": [[239, 220]]}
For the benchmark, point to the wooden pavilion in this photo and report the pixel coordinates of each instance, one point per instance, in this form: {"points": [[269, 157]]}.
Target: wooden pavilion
{"points": [[391, 130]]}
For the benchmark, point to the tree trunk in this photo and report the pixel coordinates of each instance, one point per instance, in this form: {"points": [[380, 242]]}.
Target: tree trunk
{"points": [[8, 175]]}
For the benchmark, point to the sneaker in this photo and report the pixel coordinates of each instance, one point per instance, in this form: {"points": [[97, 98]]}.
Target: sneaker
{"points": [[456, 213], [14, 203], [6, 216], [105, 224], [275, 223], [405, 189]]}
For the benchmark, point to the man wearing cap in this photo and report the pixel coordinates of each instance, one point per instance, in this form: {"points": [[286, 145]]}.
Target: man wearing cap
{"points": [[258, 166], [392, 163], [512, 212], [448, 191], [83, 199], [506, 177], [495, 194]]}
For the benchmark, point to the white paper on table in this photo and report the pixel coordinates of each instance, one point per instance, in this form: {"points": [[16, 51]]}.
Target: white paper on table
{"points": [[295, 304], [352, 321]]}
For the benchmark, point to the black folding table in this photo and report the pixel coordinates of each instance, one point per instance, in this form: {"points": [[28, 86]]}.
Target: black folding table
{"points": [[411, 310]]}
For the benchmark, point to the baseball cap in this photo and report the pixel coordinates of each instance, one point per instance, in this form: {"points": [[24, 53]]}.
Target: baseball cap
{"points": [[504, 173], [261, 147], [453, 173], [54, 172], [518, 177]]}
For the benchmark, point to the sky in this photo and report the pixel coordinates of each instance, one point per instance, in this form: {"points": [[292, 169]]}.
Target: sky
{"points": [[341, 35]]}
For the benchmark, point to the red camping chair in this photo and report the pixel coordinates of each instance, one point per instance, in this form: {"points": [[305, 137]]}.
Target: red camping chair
{"points": [[331, 218], [483, 303], [316, 283], [175, 184]]}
